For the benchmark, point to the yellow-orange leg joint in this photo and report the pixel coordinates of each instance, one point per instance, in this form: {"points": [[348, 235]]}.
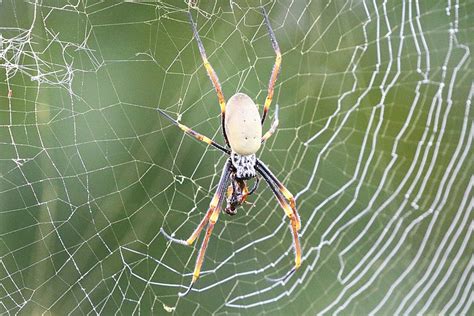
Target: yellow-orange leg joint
{"points": [[198, 136], [285, 206], [274, 126], [214, 217], [266, 136], [202, 252], [230, 190], [215, 83], [296, 240], [276, 67], [245, 193], [209, 214], [198, 230], [292, 202], [271, 86]]}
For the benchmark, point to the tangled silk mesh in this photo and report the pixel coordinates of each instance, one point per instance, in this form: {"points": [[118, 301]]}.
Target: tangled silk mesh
{"points": [[375, 142]]}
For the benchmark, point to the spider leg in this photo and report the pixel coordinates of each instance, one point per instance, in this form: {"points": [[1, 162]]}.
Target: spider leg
{"points": [[210, 219], [195, 134], [283, 278], [254, 187], [292, 214], [212, 75], [247, 192], [276, 66], [274, 126], [202, 251], [263, 169], [245, 189], [215, 203], [194, 235]]}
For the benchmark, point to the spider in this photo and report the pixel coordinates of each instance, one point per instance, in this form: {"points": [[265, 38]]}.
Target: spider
{"points": [[242, 129]]}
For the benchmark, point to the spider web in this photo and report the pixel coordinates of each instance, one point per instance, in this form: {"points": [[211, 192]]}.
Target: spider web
{"points": [[375, 142]]}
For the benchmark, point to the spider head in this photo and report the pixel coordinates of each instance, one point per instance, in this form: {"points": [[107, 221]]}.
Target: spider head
{"points": [[244, 166]]}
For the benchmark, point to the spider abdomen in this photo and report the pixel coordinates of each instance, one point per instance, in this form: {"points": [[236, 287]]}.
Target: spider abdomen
{"points": [[242, 125]]}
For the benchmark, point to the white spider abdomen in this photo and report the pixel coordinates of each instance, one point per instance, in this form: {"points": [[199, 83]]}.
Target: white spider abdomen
{"points": [[242, 125]]}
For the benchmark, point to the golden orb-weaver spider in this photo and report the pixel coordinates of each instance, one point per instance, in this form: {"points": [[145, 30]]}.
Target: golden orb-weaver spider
{"points": [[242, 129]]}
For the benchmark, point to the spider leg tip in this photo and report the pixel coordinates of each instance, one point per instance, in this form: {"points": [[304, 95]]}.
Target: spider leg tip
{"points": [[164, 233], [284, 278], [182, 294]]}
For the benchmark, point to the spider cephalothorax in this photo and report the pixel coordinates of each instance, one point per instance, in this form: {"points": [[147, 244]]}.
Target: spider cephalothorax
{"points": [[242, 129], [244, 165]]}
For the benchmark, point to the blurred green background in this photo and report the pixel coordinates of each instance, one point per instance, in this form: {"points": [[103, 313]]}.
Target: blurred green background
{"points": [[375, 137]]}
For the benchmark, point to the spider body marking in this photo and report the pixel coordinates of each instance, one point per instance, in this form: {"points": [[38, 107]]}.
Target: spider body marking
{"points": [[242, 131]]}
